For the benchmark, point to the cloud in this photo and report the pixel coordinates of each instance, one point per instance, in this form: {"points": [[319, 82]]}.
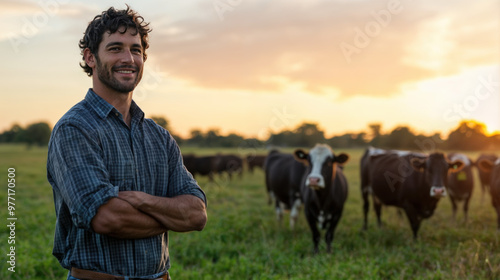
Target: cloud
{"points": [[269, 45]]}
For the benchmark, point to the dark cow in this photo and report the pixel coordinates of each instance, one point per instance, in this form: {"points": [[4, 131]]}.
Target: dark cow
{"points": [[199, 165], [255, 161], [460, 184], [229, 164], [283, 176], [323, 190], [411, 182], [493, 169], [484, 176], [365, 164]]}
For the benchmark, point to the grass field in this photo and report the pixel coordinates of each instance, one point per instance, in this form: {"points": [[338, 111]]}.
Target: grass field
{"points": [[242, 239]]}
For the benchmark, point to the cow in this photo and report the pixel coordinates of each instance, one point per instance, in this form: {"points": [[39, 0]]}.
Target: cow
{"points": [[484, 176], [460, 184], [492, 168], [229, 164], [255, 161], [323, 189], [199, 165], [283, 175], [366, 189], [410, 182]]}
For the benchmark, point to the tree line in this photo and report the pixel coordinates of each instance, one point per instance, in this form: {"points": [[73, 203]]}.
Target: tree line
{"points": [[468, 135]]}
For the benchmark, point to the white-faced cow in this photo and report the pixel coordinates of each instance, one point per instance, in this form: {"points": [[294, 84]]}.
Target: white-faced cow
{"points": [[323, 190], [484, 176], [283, 176], [411, 182], [460, 184], [493, 169]]}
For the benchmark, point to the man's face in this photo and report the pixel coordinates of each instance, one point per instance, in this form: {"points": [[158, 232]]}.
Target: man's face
{"points": [[119, 61]]}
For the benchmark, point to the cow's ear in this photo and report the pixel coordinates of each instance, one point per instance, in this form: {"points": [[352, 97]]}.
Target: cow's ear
{"points": [[342, 158], [456, 166], [485, 165], [301, 156], [418, 164]]}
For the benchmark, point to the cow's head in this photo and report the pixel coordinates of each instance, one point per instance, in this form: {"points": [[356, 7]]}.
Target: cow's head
{"points": [[321, 164], [487, 165], [436, 168]]}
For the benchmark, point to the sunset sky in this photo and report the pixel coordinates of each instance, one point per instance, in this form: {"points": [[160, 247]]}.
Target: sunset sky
{"points": [[254, 66]]}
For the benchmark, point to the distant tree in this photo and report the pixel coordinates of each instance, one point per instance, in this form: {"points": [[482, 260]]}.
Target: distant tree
{"points": [[400, 138], [375, 134], [212, 138], [283, 138], [38, 133], [231, 140], [469, 135], [14, 134], [161, 121], [342, 141], [308, 134], [196, 138]]}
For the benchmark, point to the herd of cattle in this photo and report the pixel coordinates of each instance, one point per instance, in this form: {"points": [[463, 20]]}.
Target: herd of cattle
{"points": [[411, 181]]}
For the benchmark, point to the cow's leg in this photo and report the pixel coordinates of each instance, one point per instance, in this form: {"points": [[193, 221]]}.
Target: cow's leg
{"points": [[294, 213], [413, 218], [330, 232], [496, 205], [271, 197], [377, 205], [454, 207], [279, 211], [466, 208], [366, 206], [311, 220], [484, 189]]}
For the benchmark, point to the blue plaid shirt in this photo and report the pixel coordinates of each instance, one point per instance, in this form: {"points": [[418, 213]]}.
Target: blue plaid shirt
{"points": [[92, 156]]}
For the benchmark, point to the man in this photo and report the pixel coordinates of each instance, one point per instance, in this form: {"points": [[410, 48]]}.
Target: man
{"points": [[118, 179]]}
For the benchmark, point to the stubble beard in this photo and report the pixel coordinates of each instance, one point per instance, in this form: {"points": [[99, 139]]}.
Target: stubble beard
{"points": [[105, 75]]}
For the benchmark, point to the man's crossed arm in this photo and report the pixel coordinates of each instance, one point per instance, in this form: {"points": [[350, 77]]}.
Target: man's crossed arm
{"points": [[135, 214]]}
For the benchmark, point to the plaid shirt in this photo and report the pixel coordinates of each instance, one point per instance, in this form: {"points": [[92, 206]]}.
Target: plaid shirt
{"points": [[92, 156]]}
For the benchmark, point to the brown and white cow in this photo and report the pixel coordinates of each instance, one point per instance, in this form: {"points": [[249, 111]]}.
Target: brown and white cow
{"points": [[323, 190], [493, 169], [461, 183], [411, 182]]}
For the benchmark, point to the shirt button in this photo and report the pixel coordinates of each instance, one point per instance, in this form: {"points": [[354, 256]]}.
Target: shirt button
{"points": [[116, 114]]}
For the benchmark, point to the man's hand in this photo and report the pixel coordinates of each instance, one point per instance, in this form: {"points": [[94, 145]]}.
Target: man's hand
{"points": [[181, 213]]}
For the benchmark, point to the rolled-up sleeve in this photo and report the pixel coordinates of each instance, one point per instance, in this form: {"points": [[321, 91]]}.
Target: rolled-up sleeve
{"points": [[78, 173]]}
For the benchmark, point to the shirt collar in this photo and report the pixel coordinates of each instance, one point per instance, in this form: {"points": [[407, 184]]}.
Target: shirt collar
{"points": [[103, 108]]}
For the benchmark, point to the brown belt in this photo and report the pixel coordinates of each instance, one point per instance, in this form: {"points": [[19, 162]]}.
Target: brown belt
{"points": [[93, 275]]}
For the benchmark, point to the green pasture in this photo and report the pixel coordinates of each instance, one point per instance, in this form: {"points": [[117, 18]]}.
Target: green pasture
{"points": [[243, 240]]}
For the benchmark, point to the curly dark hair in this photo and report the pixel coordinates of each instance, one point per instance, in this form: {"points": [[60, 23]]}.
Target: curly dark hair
{"points": [[110, 21]]}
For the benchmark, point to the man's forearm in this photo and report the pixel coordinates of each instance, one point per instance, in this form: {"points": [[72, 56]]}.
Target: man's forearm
{"points": [[181, 213], [119, 219]]}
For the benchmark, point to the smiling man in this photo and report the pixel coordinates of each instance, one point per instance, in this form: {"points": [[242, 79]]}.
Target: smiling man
{"points": [[118, 178]]}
